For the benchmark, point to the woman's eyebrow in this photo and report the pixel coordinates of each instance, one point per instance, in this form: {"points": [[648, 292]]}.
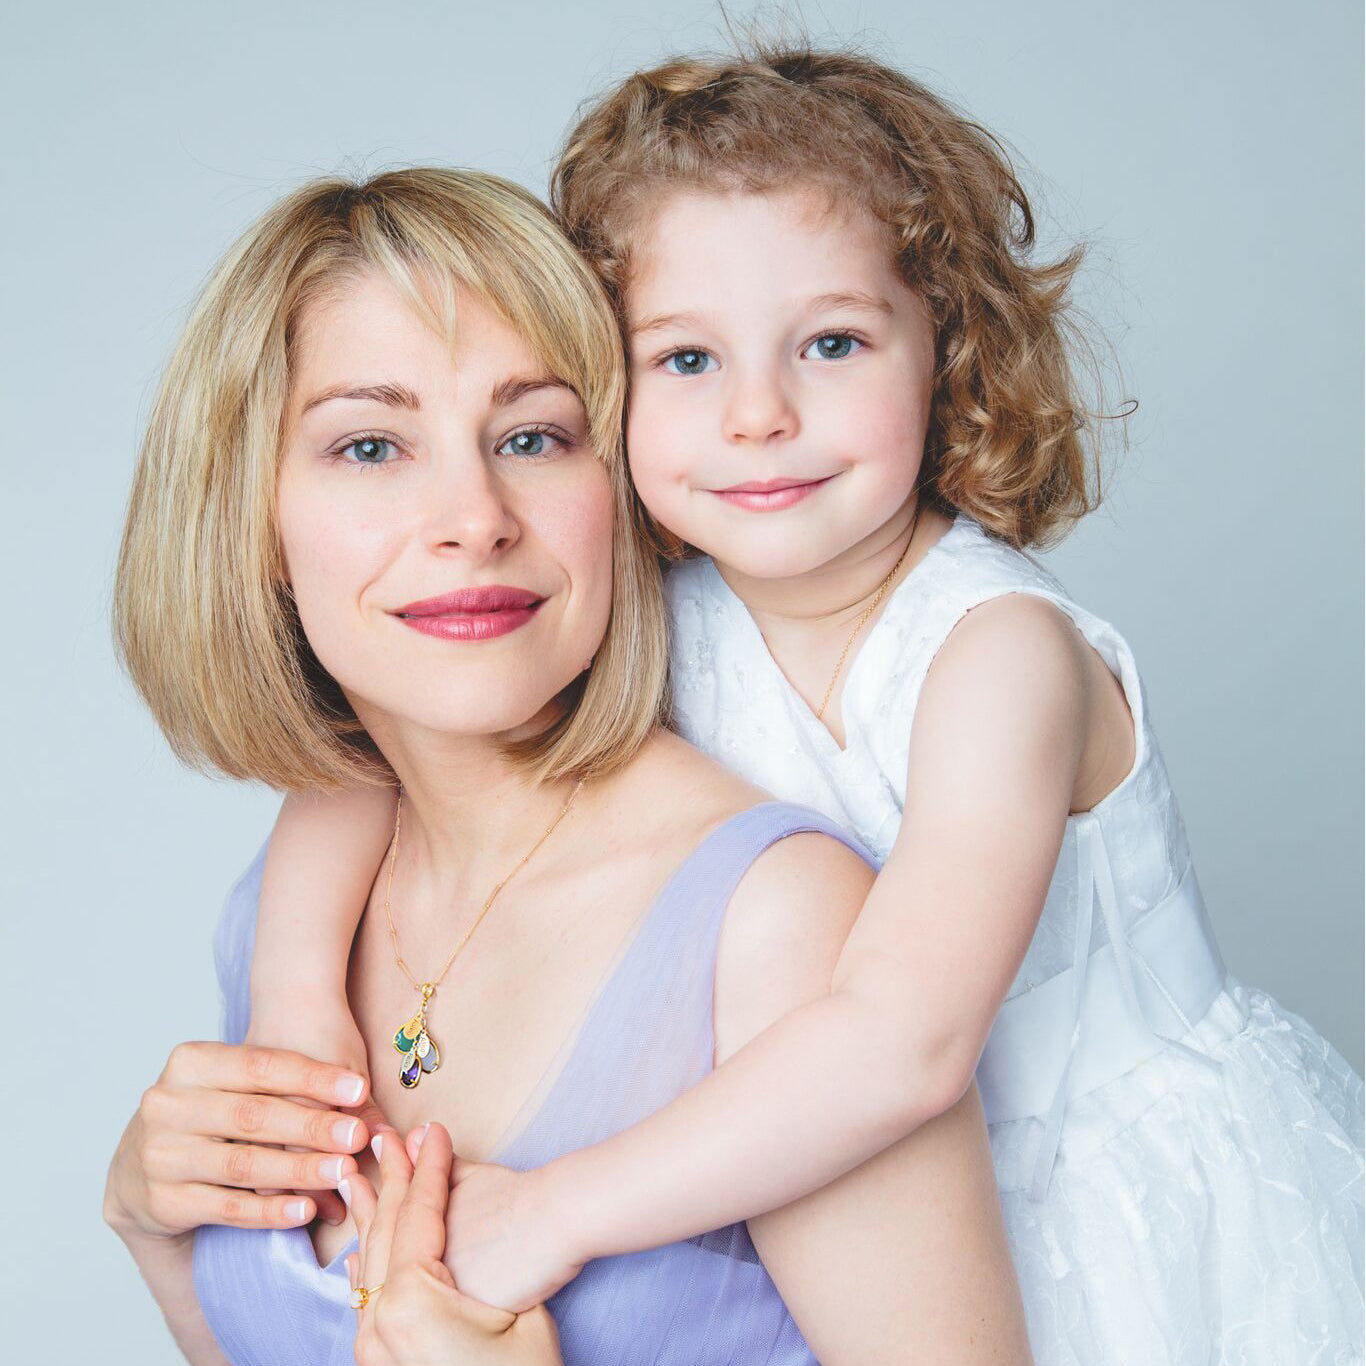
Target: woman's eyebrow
{"points": [[510, 390], [394, 395]]}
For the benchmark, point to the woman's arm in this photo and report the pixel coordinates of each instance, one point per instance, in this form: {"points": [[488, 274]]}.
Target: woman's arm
{"points": [[166, 1266], [198, 1146]]}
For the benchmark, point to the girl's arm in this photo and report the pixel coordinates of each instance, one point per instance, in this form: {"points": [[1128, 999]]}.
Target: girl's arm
{"points": [[905, 1257], [320, 865], [1002, 724]]}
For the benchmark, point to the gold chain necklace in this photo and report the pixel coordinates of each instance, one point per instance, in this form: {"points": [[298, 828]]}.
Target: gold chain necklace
{"points": [[864, 615], [419, 1051]]}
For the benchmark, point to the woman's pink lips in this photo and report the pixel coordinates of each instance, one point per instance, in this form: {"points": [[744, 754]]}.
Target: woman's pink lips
{"points": [[771, 495], [471, 613]]}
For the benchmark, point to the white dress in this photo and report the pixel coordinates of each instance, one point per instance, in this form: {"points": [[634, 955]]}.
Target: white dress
{"points": [[1180, 1158]]}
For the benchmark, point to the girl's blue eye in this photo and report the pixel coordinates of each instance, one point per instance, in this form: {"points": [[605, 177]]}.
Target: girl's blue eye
{"points": [[528, 444], [832, 346], [689, 362], [369, 450]]}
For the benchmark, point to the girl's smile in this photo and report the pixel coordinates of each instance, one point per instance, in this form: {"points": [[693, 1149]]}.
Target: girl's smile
{"points": [[792, 376], [771, 495]]}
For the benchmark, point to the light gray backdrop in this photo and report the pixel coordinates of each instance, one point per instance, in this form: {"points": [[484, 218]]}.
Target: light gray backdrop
{"points": [[1213, 151]]}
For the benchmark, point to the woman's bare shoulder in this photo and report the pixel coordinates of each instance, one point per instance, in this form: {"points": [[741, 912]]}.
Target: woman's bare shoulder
{"points": [[784, 928], [679, 794]]}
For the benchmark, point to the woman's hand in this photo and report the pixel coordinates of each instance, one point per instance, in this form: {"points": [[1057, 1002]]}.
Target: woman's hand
{"points": [[415, 1316], [202, 1141], [320, 1025]]}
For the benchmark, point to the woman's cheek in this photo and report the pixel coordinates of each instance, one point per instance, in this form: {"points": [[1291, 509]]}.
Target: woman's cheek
{"points": [[582, 535]]}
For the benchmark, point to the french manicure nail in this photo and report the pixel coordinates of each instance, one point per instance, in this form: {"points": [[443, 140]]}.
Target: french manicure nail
{"points": [[376, 1145], [297, 1210], [350, 1089], [344, 1190], [418, 1136], [331, 1168], [344, 1132]]}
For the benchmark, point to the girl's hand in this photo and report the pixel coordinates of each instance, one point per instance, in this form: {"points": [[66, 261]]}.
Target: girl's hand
{"points": [[319, 1024], [504, 1243], [415, 1316], [205, 1137]]}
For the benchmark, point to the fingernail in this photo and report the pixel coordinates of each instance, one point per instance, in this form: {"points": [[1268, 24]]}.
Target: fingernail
{"points": [[344, 1132], [376, 1145], [331, 1168], [297, 1210], [418, 1136], [350, 1088], [344, 1190]]}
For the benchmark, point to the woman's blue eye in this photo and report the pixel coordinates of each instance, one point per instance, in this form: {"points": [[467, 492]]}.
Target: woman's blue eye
{"points": [[832, 346], [689, 362], [369, 450], [528, 444]]}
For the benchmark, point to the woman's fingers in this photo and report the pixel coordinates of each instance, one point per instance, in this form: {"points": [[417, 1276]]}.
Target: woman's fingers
{"points": [[360, 1198], [376, 1235], [255, 1070], [420, 1224], [190, 1204], [253, 1119], [268, 1171]]}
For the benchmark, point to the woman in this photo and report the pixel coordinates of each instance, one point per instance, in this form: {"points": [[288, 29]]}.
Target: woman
{"points": [[381, 529]]}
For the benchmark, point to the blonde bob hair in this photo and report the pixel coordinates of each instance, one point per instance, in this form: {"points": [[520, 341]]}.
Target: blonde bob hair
{"points": [[204, 620]]}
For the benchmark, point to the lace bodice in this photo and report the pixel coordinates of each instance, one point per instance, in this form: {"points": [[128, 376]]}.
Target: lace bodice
{"points": [[732, 701]]}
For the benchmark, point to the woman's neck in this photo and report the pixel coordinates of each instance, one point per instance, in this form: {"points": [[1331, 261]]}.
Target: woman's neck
{"points": [[468, 814]]}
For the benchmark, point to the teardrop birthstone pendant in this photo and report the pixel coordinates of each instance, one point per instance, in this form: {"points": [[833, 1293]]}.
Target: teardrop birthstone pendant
{"points": [[419, 1050]]}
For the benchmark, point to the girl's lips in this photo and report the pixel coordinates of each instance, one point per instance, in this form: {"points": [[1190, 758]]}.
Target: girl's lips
{"points": [[770, 496], [471, 613]]}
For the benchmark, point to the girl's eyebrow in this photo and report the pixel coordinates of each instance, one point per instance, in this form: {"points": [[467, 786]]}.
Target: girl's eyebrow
{"points": [[870, 303], [662, 321]]}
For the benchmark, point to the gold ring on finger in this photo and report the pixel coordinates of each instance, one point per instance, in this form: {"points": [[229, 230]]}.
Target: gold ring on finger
{"points": [[361, 1295]]}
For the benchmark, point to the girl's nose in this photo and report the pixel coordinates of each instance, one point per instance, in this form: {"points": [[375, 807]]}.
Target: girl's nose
{"points": [[759, 410]]}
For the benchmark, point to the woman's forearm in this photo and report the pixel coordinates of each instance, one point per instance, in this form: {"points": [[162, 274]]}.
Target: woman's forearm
{"points": [[782, 1117], [166, 1265]]}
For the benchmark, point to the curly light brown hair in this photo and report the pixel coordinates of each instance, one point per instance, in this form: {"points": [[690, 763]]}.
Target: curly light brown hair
{"points": [[1010, 440]]}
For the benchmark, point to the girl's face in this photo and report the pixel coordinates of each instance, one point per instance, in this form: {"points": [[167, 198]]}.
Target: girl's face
{"points": [[446, 528], [780, 378]]}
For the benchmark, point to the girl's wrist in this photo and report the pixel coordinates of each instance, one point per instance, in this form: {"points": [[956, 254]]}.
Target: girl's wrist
{"points": [[556, 1196], [268, 988]]}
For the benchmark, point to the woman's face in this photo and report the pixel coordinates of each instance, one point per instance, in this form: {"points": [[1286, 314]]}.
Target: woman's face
{"points": [[446, 527]]}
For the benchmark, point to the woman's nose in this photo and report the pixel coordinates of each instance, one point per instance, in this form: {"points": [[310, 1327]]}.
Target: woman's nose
{"points": [[471, 512], [759, 409]]}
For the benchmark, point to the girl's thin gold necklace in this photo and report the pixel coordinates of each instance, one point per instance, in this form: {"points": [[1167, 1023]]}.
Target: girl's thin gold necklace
{"points": [[419, 1050], [864, 615]]}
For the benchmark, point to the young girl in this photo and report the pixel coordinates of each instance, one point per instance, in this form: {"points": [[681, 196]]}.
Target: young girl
{"points": [[851, 389]]}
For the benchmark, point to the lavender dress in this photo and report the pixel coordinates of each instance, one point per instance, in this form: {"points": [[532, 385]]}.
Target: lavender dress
{"points": [[645, 1038]]}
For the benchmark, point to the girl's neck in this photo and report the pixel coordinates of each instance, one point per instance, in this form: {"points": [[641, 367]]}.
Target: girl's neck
{"points": [[829, 598]]}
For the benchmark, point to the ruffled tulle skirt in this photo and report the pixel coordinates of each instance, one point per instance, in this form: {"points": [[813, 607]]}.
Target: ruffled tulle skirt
{"points": [[1199, 1214]]}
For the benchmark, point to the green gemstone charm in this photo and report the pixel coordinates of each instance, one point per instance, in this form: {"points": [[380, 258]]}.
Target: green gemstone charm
{"points": [[419, 1050]]}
